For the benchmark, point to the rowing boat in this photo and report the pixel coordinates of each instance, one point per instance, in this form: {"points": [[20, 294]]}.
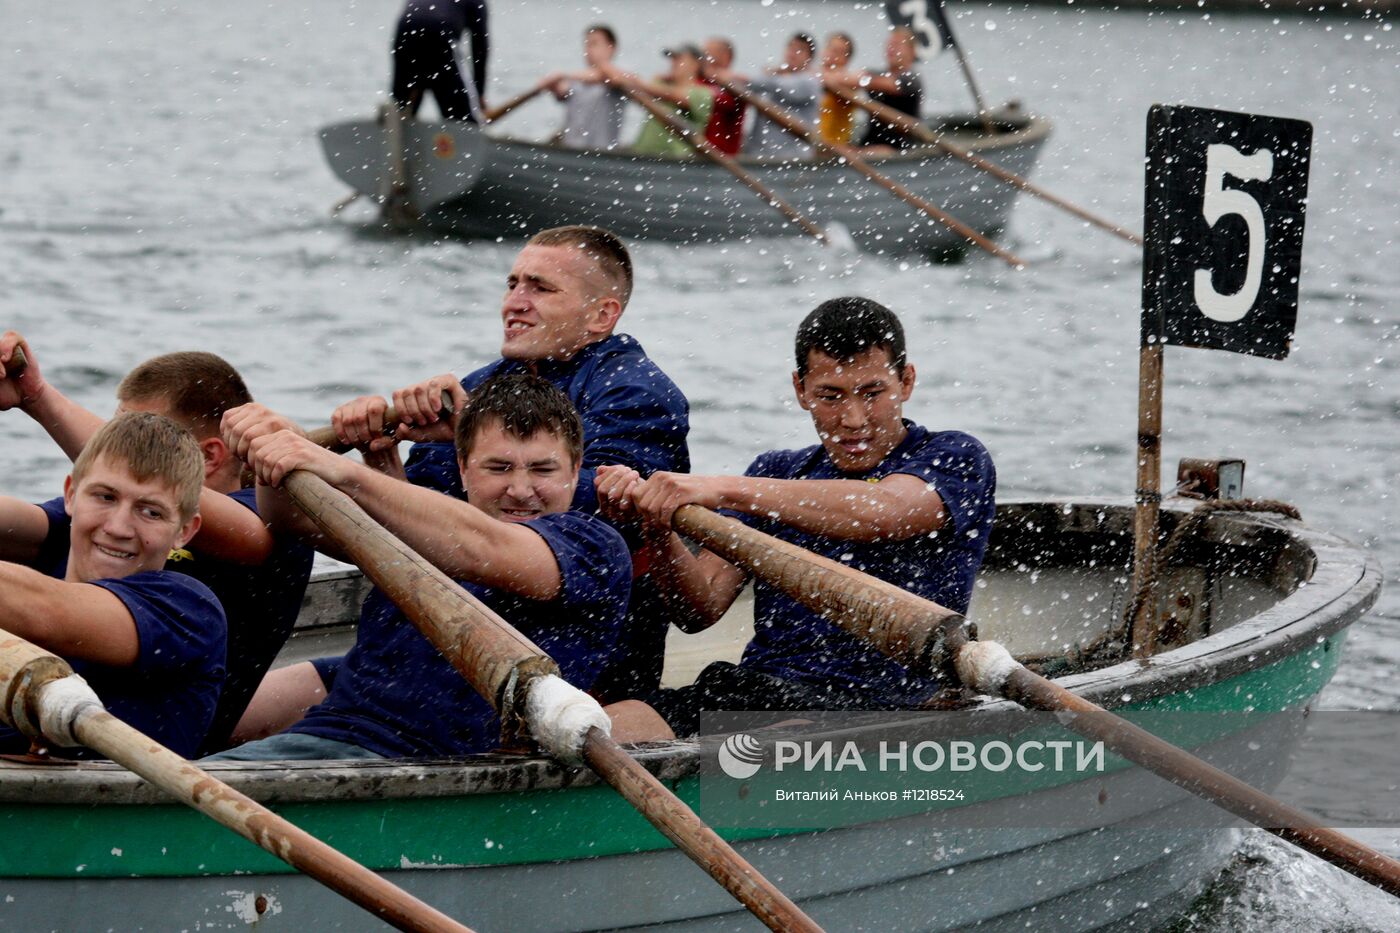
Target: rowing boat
{"points": [[465, 181], [1259, 608]]}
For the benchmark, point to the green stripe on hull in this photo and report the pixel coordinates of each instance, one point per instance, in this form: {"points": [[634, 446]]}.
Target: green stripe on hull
{"points": [[479, 829]]}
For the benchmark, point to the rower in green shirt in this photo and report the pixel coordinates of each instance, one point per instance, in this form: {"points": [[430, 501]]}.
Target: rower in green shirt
{"points": [[680, 89]]}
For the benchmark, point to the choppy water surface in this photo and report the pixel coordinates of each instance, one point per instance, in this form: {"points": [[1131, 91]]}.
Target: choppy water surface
{"points": [[161, 189]]}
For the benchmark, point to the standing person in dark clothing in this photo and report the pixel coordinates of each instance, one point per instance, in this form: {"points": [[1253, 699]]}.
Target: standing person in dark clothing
{"points": [[426, 47]]}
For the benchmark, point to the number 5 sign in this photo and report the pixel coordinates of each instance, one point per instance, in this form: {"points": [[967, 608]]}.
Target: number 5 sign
{"points": [[1226, 193]]}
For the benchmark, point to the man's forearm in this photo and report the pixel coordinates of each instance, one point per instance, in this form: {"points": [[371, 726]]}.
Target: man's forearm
{"points": [[853, 510], [68, 423], [74, 620]]}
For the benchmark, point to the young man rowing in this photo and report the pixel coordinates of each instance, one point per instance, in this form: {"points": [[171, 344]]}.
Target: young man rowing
{"points": [[879, 493], [259, 577], [559, 576], [82, 577]]}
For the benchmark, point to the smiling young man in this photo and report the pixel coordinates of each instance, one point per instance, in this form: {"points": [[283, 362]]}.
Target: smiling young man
{"points": [[259, 577], [82, 577], [560, 577], [880, 494]]}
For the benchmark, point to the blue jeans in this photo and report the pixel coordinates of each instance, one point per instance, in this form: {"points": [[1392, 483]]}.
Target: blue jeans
{"points": [[293, 746]]}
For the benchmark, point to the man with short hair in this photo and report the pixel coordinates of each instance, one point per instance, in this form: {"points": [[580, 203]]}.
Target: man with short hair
{"points": [[880, 494], [564, 297], [258, 577], [592, 107], [558, 576], [82, 577]]}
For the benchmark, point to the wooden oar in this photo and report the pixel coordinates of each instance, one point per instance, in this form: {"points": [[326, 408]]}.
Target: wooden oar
{"points": [[513, 674], [913, 629], [495, 113], [852, 158], [43, 699], [700, 144], [922, 131], [325, 436]]}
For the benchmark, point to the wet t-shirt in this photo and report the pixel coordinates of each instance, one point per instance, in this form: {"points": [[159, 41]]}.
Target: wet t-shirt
{"points": [[792, 642], [261, 602], [170, 692], [397, 696]]}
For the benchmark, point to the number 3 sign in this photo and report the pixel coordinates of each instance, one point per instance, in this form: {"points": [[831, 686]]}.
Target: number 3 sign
{"points": [[1226, 194]]}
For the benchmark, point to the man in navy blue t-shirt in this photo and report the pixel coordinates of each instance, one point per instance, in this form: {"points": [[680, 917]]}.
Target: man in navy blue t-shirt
{"points": [[560, 577], [84, 579], [881, 494], [564, 297], [259, 577]]}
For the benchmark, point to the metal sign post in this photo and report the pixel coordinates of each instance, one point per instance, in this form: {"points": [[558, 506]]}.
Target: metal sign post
{"points": [[1225, 201]]}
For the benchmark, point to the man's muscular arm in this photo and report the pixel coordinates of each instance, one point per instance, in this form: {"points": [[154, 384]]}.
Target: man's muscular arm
{"points": [[23, 528], [897, 507], [75, 620], [455, 536]]}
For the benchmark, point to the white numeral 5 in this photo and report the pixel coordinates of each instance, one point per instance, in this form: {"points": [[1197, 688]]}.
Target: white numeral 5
{"points": [[1222, 160]]}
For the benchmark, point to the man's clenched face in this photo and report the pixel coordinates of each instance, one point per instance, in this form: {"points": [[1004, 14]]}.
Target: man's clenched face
{"points": [[518, 479], [857, 406], [557, 302]]}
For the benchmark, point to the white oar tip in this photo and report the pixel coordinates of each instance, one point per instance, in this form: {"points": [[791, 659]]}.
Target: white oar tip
{"points": [[985, 666], [560, 715]]}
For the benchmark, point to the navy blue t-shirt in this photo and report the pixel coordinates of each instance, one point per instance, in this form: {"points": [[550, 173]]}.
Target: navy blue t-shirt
{"points": [[262, 603], [792, 642], [396, 696], [170, 693], [632, 414]]}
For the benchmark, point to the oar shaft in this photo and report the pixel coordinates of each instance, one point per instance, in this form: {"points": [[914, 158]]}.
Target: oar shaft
{"points": [[29, 682], [104, 733], [1191, 773], [326, 437], [848, 593], [496, 113], [809, 135], [921, 131], [502, 663], [911, 631], [490, 654], [707, 149], [690, 834]]}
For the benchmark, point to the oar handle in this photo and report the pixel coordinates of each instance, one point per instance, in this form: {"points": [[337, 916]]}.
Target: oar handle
{"points": [[913, 631], [808, 134], [18, 362], [30, 678], [704, 147], [325, 436], [691, 835]]}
